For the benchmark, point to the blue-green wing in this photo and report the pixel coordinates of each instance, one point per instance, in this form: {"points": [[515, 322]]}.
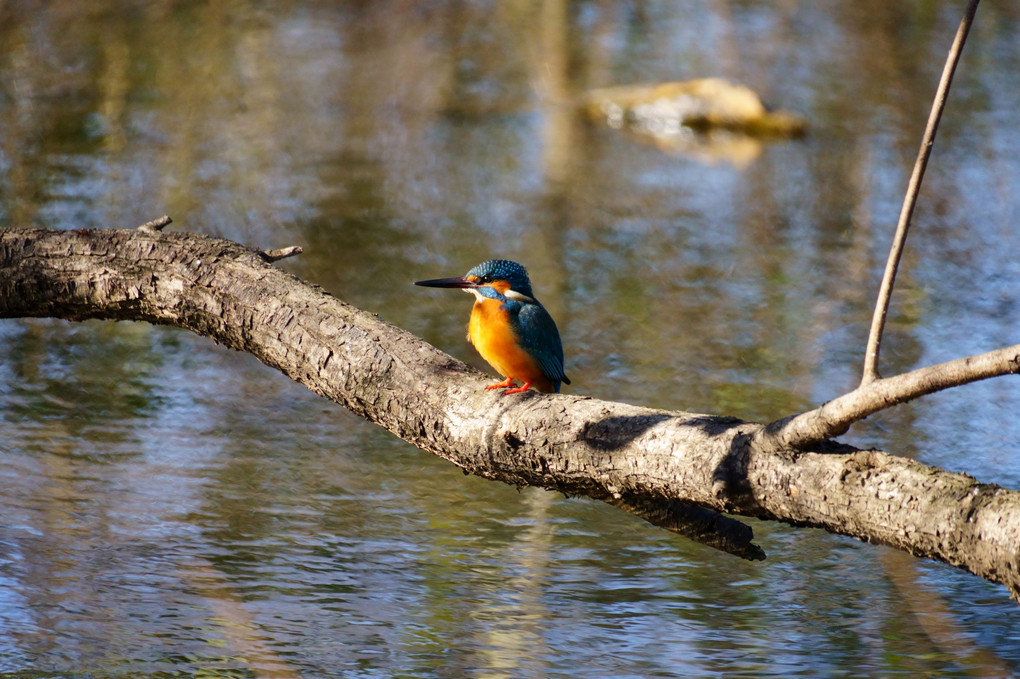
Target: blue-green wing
{"points": [[542, 340]]}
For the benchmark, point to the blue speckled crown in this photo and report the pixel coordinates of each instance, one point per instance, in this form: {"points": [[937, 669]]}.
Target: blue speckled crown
{"points": [[504, 270]]}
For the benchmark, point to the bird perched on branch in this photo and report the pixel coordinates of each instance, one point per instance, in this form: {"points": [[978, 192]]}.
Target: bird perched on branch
{"points": [[509, 327]]}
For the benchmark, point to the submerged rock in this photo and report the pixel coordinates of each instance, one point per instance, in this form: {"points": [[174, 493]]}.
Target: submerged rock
{"points": [[710, 119], [701, 105]]}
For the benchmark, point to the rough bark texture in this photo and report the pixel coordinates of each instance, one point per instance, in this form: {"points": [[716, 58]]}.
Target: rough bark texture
{"points": [[639, 459]]}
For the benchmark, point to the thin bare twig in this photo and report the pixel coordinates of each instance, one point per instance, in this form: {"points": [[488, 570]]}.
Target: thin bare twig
{"points": [[910, 199], [282, 253], [156, 224]]}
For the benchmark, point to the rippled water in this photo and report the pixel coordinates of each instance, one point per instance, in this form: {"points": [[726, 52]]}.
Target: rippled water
{"points": [[174, 509]]}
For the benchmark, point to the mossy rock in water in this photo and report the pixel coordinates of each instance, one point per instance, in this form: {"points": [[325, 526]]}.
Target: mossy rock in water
{"points": [[704, 104]]}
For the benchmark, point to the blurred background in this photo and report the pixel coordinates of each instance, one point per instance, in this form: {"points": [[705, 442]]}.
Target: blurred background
{"points": [[171, 508]]}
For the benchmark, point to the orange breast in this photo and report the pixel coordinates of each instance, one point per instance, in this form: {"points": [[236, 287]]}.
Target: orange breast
{"points": [[491, 334]]}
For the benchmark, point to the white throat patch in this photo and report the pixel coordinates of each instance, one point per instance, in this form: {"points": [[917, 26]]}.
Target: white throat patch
{"points": [[513, 294], [509, 294]]}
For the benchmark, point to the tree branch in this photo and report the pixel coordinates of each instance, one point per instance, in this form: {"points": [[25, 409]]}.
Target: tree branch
{"points": [[640, 459], [910, 199], [215, 288], [835, 417]]}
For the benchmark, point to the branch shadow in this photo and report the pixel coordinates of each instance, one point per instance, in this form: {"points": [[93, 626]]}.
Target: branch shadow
{"points": [[613, 433], [692, 521]]}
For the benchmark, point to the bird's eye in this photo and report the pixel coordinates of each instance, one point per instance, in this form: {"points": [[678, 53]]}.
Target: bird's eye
{"points": [[485, 279]]}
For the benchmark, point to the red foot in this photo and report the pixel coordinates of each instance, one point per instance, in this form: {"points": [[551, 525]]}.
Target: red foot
{"points": [[501, 385], [506, 384], [518, 389]]}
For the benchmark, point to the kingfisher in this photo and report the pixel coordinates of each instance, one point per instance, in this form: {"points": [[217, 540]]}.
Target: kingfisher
{"points": [[509, 327]]}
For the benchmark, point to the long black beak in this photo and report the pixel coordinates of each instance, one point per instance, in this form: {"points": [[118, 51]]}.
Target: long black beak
{"points": [[458, 282]]}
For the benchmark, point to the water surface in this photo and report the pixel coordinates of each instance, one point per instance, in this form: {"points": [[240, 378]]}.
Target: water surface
{"points": [[171, 508]]}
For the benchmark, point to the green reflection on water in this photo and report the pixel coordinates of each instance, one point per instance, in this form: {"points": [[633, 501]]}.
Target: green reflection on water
{"points": [[86, 379]]}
